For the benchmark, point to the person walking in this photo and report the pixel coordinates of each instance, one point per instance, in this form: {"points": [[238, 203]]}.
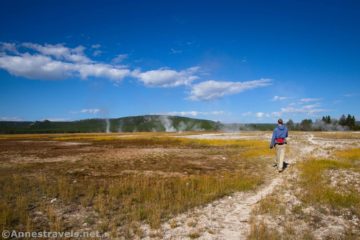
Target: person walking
{"points": [[278, 141]]}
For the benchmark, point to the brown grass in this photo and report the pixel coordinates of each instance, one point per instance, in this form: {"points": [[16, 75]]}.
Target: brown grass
{"points": [[115, 181], [270, 205], [259, 231]]}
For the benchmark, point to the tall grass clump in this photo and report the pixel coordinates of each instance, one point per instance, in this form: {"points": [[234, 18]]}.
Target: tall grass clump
{"points": [[259, 231], [316, 183], [151, 199]]}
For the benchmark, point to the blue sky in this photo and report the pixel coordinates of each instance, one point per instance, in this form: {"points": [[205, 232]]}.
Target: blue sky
{"points": [[233, 61]]}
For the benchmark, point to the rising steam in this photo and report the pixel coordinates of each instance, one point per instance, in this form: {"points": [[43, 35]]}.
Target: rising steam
{"points": [[107, 122], [167, 124]]}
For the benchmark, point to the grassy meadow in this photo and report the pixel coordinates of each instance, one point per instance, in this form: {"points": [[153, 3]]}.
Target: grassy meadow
{"points": [[320, 194], [337, 197], [115, 182]]}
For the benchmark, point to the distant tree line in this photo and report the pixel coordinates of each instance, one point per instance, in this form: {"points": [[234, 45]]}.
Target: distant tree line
{"points": [[326, 123], [145, 123]]}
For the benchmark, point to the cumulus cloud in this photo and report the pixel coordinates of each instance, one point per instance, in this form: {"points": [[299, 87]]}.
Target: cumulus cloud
{"points": [[57, 61], [210, 90], [8, 47], [35, 66], [59, 51], [165, 77], [53, 62], [195, 113], [102, 70], [279, 98]]}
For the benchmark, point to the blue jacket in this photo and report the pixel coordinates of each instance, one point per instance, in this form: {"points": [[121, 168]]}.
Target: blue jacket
{"points": [[279, 132]]}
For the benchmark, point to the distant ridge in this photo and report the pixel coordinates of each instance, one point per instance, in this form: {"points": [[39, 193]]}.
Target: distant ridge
{"points": [[145, 123]]}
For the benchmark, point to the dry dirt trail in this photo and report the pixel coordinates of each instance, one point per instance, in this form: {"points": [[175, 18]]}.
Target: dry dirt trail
{"points": [[228, 218]]}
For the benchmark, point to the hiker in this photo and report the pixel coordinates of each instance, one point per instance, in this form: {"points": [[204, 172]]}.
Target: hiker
{"points": [[278, 141]]}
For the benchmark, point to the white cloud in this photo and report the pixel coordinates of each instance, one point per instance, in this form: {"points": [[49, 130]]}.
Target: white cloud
{"points": [[175, 51], [102, 70], [57, 61], [90, 110], [8, 47], [51, 119], [53, 62], [59, 51], [306, 109], [210, 90], [260, 114], [276, 114], [279, 98], [119, 58], [164, 77], [267, 115], [35, 66], [195, 113], [306, 100], [96, 48], [11, 119], [349, 95], [289, 110]]}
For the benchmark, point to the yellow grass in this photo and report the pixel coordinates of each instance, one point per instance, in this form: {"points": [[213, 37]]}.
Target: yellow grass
{"points": [[315, 183], [337, 135], [102, 181], [259, 231], [349, 155]]}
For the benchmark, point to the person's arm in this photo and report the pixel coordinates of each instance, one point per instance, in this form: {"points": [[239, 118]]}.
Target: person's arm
{"points": [[273, 140]]}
